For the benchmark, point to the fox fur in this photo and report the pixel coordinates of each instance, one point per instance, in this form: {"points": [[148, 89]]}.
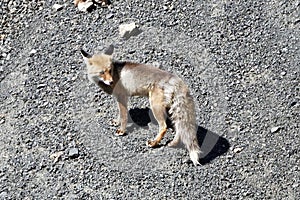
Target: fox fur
{"points": [[165, 91]]}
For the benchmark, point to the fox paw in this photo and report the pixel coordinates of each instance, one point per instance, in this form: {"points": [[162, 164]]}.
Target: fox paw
{"points": [[173, 143], [120, 132], [151, 143]]}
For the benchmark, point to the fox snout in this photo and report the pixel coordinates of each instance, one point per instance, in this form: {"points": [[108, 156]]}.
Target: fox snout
{"points": [[106, 78], [108, 82]]}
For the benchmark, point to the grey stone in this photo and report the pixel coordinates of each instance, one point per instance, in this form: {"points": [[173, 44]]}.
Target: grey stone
{"points": [[73, 152]]}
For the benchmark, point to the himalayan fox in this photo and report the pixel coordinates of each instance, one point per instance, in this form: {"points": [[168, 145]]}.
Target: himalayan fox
{"points": [[166, 93]]}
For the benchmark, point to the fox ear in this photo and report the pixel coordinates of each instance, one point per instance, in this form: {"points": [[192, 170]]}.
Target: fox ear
{"points": [[109, 50], [86, 56]]}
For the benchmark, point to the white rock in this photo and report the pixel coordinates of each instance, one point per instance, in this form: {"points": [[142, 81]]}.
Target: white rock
{"points": [[283, 73], [128, 30], [57, 7], [238, 150], [275, 129], [33, 51], [84, 6]]}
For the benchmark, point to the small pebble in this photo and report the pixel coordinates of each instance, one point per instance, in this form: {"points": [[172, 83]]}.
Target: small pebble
{"points": [[73, 153], [275, 129], [57, 7], [238, 150]]}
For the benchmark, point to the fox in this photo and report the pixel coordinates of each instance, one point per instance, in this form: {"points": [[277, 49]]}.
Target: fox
{"points": [[168, 96]]}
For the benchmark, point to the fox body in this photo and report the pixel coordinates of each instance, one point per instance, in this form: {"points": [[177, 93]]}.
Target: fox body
{"points": [[164, 90]]}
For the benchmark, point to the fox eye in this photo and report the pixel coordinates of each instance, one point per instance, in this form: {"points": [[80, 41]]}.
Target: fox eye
{"points": [[101, 73]]}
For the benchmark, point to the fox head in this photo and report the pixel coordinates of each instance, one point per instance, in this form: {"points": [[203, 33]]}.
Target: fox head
{"points": [[99, 67]]}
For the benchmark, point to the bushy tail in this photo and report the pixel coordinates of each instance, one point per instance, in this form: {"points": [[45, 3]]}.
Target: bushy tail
{"points": [[182, 110]]}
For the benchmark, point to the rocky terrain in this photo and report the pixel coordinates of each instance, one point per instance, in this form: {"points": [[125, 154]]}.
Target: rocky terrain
{"points": [[241, 61]]}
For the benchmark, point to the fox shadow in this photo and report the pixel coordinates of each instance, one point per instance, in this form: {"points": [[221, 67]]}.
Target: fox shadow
{"points": [[212, 145]]}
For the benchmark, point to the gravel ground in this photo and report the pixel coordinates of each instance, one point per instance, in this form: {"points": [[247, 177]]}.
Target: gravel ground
{"points": [[240, 59]]}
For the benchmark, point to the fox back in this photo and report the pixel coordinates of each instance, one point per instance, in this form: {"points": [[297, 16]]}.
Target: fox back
{"points": [[132, 78]]}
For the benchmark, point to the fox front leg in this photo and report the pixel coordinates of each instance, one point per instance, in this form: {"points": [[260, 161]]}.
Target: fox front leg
{"points": [[123, 114]]}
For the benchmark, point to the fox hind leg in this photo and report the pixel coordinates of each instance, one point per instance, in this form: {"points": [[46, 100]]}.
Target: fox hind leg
{"points": [[158, 108]]}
